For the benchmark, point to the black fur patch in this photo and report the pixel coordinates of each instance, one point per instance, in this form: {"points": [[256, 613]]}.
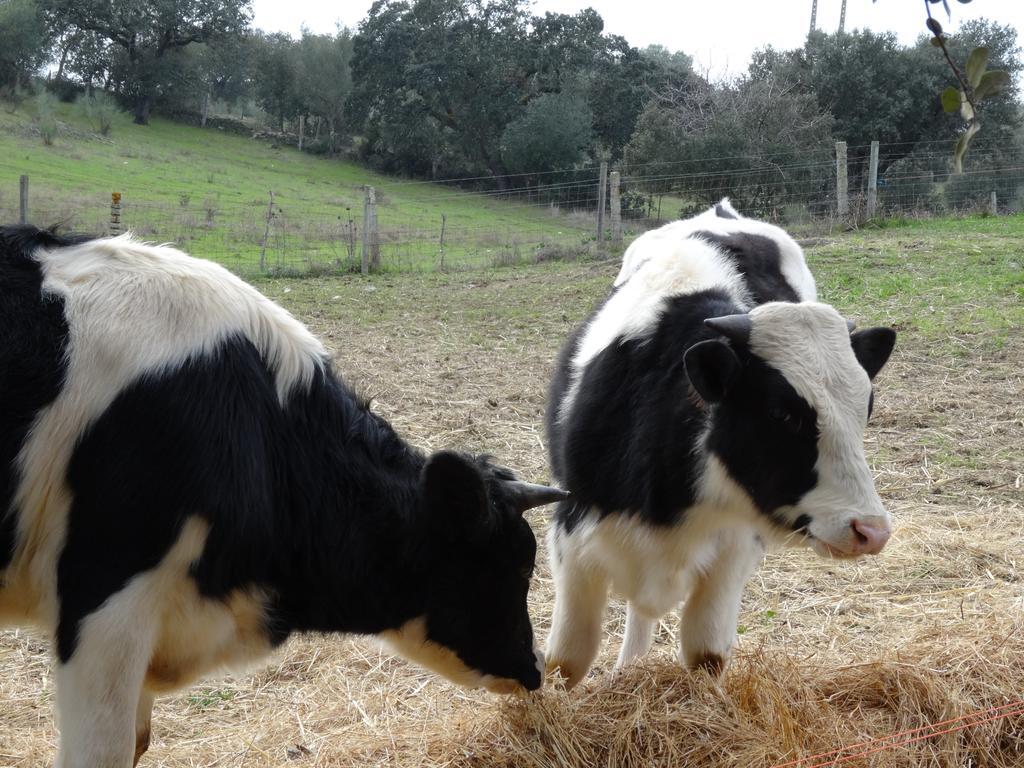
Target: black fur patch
{"points": [[629, 442], [766, 435], [32, 346], [319, 504], [632, 440], [759, 260], [558, 388]]}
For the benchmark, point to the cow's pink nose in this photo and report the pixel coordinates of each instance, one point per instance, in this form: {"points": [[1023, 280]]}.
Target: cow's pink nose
{"points": [[870, 535]]}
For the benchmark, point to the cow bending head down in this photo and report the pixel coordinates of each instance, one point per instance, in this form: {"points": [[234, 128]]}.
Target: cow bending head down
{"points": [[709, 408], [185, 482]]}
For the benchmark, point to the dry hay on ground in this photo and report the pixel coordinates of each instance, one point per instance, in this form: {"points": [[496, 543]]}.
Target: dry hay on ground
{"points": [[831, 653]]}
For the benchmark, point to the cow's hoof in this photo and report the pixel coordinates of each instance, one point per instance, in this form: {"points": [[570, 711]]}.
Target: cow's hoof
{"points": [[710, 662], [566, 670], [141, 745]]}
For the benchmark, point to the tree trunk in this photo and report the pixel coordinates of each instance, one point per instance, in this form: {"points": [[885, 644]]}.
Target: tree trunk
{"points": [[206, 108], [142, 104], [59, 77]]}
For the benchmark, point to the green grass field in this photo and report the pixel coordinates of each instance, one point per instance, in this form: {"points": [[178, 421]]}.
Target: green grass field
{"points": [[209, 192]]}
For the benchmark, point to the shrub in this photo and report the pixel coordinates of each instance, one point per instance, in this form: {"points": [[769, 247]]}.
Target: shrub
{"points": [[46, 116], [99, 108]]}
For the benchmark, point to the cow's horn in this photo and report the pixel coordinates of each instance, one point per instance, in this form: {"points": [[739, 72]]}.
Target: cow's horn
{"points": [[851, 325], [523, 496], [735, 327]]}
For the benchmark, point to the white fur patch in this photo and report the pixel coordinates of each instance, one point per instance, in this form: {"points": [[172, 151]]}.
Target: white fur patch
{"points": [[791, 263], [132, 309], [672, 268], [157, 632]]}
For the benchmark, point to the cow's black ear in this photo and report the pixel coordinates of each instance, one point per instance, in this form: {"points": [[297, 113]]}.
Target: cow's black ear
{"points": [[455, 494], [872, 346], [711, 367]]}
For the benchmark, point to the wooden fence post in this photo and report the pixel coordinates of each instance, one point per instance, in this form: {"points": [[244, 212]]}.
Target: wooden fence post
{"points": [[601, 187], [23, 190], [616, 206], [443, 221], [842, 200], [115, 214], [350, 236], [302, 130], [266, 233], [873, 181], [993, 204], [371, 240]]}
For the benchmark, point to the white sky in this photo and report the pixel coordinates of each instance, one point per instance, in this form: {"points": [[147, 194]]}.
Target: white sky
{"points": [[719, 34]]}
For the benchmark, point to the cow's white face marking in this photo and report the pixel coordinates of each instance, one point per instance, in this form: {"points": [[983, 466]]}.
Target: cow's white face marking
{"points": [[810, 345]]}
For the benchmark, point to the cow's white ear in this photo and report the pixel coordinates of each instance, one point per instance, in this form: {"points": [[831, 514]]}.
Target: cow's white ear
{"points": [[454, 492], [872, 346], [711, 367]]}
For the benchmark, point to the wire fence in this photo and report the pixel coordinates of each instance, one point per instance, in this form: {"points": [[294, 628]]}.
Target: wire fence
{"points": [[420, 225]]}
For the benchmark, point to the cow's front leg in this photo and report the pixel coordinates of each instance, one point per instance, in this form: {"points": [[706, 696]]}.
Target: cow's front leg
{"points": [[143, 720], [710, 614], [99, 686], [638, 636], [581, 595]]}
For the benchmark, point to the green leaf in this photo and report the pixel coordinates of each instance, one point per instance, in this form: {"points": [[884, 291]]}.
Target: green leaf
{"points": [[976, 64], [951, 99], [992, 81], [961, 146]]}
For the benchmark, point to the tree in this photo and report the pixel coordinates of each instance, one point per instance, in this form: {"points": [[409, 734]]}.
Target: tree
{"points": [[324, 75], [24, 45], [149, 31], [277, 84], [752, 140], [553, 133], [463, 64]]}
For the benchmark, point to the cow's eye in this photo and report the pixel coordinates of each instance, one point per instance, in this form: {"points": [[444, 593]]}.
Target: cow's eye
{"points": [[787, 419]]}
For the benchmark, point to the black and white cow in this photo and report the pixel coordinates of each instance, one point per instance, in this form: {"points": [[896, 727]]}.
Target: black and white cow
{"points": [[707, 409], [184, 482]]}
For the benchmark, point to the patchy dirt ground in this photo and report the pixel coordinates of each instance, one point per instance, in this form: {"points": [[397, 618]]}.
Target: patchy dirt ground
{"points": [[830, 653]]}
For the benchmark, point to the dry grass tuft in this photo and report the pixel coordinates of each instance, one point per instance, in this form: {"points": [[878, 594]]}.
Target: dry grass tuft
{"points": [[769, 709]]}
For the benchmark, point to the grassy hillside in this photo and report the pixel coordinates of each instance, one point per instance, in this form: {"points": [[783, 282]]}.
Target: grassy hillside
{"points": [[209, 192]]}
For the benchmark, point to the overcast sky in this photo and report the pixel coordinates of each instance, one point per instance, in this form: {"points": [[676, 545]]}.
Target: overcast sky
{"points": [[719, 34]]}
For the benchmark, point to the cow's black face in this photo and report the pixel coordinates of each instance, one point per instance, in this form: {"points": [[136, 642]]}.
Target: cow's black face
{"points": [[766, 436], [476, 630]]}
